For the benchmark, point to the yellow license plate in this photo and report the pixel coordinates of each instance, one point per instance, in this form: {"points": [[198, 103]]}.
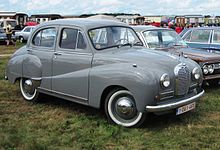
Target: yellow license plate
{"points": [[185, 108]]}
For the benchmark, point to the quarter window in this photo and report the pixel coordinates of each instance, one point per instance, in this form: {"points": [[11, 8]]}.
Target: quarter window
{"points": [[201, 36], [45, 37]]}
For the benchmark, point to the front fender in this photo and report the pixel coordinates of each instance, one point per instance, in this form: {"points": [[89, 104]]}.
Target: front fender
{"points": [[140, 83]]}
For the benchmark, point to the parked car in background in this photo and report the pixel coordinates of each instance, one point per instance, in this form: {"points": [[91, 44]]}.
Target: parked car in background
{"points": [[164, 39], [3, 36], [102, 63], [4, 22], [24, 34], [207, 38]]}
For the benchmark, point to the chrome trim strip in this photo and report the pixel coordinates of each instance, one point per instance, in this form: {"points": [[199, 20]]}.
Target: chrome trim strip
{"points": [[168, 92], [167, 97], [170, 106], [60, 93], [36, 78]]}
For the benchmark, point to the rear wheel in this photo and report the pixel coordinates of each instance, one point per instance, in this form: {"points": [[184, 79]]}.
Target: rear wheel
{"points": [[120, 109], [28, 90]]}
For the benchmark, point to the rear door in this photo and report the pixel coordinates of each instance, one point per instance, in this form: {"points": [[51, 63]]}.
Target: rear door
{"points": [[71, 64], [42, 46]]}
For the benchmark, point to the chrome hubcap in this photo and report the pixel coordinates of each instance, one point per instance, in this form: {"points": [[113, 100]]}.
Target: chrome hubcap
{"points": [[28, 87], [125, 108]]}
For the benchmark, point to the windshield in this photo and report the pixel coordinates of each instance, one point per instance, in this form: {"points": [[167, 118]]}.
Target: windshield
{"points": [[108, 37], [163, 38]]}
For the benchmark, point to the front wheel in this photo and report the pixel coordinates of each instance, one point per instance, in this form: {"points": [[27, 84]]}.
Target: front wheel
{"points": [[120, 109], [28, 90]]}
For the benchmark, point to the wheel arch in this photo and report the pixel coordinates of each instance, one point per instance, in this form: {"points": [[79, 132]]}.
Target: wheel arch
{"points": [[106, 91]]}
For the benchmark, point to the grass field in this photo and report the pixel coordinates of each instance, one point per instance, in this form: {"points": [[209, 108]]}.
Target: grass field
{"points": [[9, 49], [58, 124]]}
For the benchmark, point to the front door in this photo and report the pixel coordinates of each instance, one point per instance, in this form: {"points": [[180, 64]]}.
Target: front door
{"points": [[71, 64]]}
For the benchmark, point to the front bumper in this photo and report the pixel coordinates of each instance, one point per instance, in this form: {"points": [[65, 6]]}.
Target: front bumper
{"points": [[169, 106], [211, 77]]}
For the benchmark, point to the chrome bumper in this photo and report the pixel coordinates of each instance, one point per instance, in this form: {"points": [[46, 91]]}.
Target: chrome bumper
{"points": [[170, 106]]}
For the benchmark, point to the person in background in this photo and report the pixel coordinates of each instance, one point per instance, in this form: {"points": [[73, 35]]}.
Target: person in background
{"points": [[178, 28], [171, 25], [9, 32]]}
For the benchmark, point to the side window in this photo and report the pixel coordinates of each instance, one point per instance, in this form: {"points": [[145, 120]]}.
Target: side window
{"points": [[45, 37], [68, 38], [81, 44], [152, 38], [201, 36], [37, 38], [216, 37], [27, 30], [72, 39]]}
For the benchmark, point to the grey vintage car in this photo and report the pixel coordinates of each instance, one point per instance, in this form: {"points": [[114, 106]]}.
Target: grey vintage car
{"points": [[102, 63]]}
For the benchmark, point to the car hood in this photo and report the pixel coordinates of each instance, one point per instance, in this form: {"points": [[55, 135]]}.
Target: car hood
{"points": [[149, 59], [196, 54]]}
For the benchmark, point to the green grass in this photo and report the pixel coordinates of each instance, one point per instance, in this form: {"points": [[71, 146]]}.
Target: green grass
{"points": [[9, 49], [58, 124]]}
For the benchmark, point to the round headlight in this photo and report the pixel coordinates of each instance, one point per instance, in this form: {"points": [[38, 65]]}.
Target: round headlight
{"points": [[165, 80], [211, 68], [196, 73], [205, 69]]}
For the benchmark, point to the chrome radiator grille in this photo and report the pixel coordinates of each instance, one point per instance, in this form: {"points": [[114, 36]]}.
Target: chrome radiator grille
{"points": [[182, 79]]}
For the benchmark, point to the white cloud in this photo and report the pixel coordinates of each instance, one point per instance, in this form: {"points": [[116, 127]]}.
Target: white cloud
{"points": [[144, 7]]}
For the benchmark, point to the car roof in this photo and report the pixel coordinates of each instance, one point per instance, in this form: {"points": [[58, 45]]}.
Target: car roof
{"points": [[142, 28], [85, 23]]}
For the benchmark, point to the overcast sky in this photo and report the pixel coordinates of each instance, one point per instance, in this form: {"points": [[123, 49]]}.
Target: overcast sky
{"points": [[144, 7]]}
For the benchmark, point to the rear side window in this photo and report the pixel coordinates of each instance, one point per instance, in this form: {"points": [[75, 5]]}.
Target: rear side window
{"points": [[45, 37], [72, 39], [201, 36]]}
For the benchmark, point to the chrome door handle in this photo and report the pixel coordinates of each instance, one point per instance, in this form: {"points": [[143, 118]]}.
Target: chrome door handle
{"points": [[57, 53]]}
